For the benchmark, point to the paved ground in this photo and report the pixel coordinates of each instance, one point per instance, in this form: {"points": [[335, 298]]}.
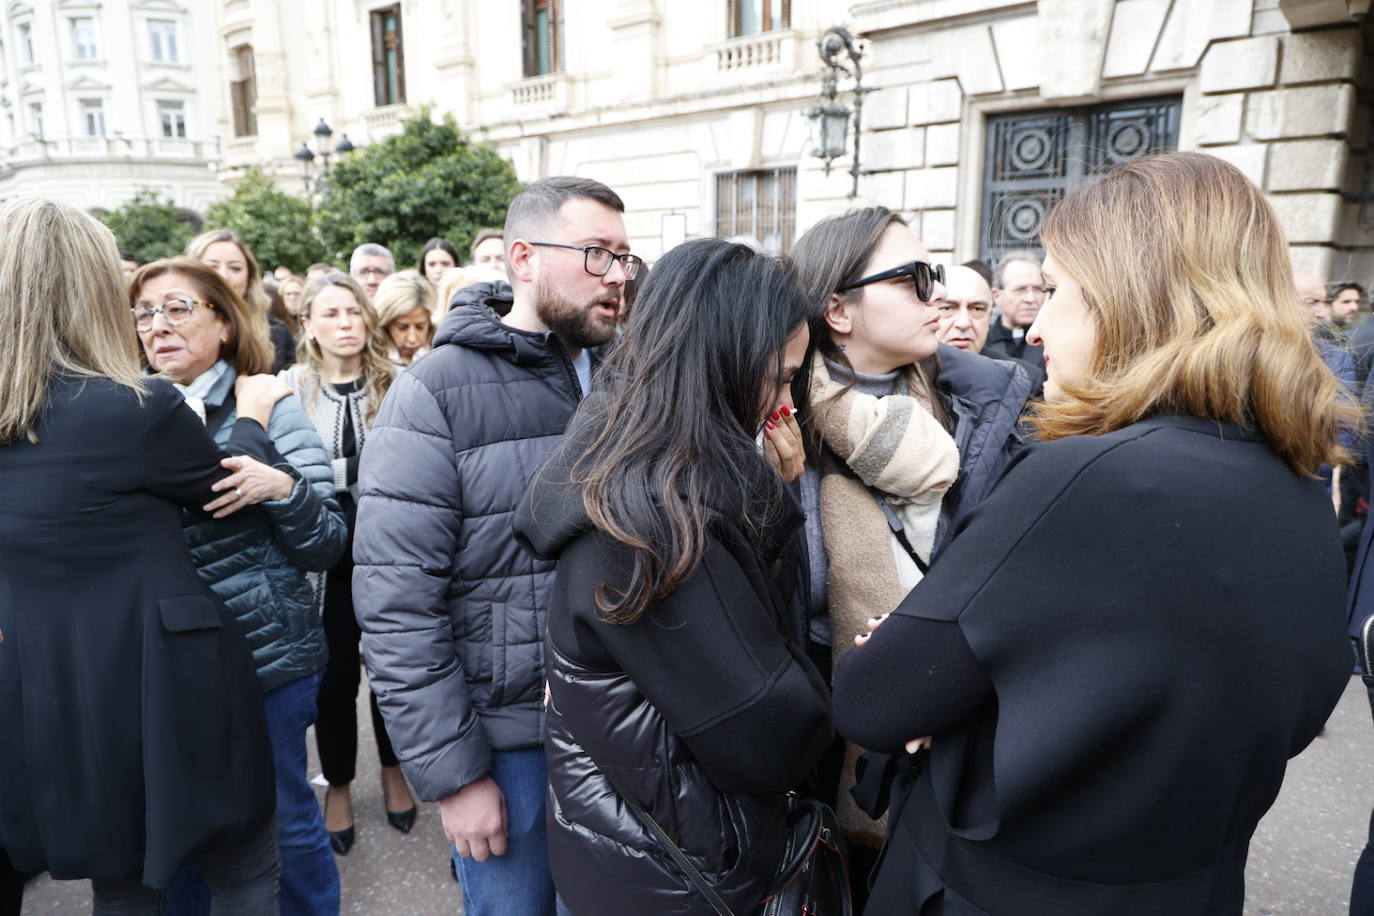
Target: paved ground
{"points": [[1300, 862]]}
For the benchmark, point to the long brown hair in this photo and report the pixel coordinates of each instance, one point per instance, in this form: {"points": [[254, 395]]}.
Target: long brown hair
{"points": [[62, 307], [1185, 270], [246, 347], [378, 372]]}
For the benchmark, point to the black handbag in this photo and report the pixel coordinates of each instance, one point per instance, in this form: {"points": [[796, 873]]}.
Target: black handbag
{"points": [[812, 879], [1364, 656]]}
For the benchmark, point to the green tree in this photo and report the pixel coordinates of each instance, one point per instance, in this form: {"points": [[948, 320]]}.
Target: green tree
{"points": [[278, 227], [428, 180], [151, 226]]}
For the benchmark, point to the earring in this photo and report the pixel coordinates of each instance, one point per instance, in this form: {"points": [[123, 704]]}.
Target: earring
{"points": [[223, 338]]}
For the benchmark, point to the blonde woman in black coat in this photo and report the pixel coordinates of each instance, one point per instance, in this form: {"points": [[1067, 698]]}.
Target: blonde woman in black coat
{"points": [[1120, 651], [132, 736]]}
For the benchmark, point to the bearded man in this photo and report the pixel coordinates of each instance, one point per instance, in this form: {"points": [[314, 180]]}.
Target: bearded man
{"points": [[452, 610]]}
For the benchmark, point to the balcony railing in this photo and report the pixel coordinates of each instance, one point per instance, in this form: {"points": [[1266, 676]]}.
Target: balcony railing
{"points": [[109, 148], [540, 93], [384, 121], [767, 51]]}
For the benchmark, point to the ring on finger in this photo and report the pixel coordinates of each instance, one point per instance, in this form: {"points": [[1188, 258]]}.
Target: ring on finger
{"points": [[238, 494]]}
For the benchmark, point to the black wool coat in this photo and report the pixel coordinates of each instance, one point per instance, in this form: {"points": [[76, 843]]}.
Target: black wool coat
{"points": [[131, 723], [1157, 617]]}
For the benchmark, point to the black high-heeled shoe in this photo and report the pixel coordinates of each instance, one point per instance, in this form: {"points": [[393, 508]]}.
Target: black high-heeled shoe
{"points": [[402, 820], [340, 840]]}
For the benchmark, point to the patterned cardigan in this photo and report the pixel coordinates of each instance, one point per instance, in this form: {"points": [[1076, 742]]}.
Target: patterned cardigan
{"points": [[326, 407]]}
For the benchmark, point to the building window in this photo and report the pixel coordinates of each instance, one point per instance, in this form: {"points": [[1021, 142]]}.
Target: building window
{"points": [[1034, 158], [36, 120], [243, 93], [542, 36], [761, 205], [84, 38], [172, 115], [753, 17], [388, 57], [26, 41], [93, 117], [162, 39]]}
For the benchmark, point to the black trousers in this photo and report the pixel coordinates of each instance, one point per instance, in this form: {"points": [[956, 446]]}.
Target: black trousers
{"points": [[336, 727], [11, 887]]}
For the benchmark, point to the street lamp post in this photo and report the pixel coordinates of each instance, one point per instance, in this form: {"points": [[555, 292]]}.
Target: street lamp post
{"points": [[830, 115], [306, 157]]}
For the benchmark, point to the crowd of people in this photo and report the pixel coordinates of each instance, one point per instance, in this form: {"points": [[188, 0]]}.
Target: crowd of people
{"points": [[643, 559]]}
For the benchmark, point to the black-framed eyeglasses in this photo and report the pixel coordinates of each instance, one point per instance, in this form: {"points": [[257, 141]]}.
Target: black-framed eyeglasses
{"points": [[923, 273], [597, 261], [173, 311]]}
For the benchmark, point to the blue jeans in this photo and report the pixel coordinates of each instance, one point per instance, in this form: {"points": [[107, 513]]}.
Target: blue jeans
{"points": [[518, 883], [309, 875]]}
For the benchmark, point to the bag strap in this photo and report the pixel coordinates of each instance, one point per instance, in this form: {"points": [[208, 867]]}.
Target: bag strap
{"points": [[694, 877], [1364, 650], [898, 529]]}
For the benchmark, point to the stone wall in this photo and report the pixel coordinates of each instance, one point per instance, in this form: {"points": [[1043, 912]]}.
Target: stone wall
{"points": [[1284, 106]]}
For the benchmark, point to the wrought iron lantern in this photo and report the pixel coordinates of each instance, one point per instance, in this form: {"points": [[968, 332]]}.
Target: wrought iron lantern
{"points": [[830, 115], [306, 157]]}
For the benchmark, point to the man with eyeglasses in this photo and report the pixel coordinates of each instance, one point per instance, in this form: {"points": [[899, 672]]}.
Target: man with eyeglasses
{"points": [[1018, 292], [452, 610], [370, 265]]}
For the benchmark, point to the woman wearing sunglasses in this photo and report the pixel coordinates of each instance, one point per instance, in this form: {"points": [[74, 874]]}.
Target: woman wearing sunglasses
{"points": [[1118, 654], [906, 435]]}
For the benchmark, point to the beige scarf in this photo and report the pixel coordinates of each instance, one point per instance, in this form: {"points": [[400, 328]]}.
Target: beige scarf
{"points": [[896, 446]]}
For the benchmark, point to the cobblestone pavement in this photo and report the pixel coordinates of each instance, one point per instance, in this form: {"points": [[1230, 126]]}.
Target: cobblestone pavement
{"points": [[1300, 862]]}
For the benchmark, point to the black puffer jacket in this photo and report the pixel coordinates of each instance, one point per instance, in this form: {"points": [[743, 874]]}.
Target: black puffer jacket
{"points": [[452, 610], [494, 294], [704, 711]]}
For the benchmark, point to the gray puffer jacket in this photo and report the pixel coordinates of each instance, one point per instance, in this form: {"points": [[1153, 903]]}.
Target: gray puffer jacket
{"points": [[452, 610], [257, 560]]}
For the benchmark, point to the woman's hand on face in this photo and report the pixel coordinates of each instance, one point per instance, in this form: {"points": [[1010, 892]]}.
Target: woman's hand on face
{"points": [[782, 443], [915, 744], [251, 482], [256, 395]]}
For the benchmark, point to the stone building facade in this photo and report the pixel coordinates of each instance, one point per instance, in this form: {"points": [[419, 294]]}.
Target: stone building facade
{"points": [[99, 98], [981, 112]]}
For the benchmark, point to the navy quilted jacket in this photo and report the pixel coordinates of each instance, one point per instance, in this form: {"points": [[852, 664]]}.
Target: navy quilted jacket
{"points": [[256, 560], [452, 610]]}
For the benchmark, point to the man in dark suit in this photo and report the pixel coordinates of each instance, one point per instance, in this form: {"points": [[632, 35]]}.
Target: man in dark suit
{"points": [[1018, 291]]}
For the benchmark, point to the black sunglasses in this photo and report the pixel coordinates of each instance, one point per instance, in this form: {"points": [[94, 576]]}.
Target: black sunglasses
{"points": [[920, 271]]}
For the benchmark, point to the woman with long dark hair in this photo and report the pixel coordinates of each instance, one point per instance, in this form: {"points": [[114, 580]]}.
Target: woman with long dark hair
{"points": [[677, 672], [1119, 653], [906, 438]]}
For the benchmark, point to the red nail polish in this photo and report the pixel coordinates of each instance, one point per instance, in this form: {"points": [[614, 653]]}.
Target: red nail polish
{"points": [[786, 411], [775, 416], [769, 425]]}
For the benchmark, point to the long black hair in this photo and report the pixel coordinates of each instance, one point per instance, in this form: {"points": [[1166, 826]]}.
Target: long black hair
{"points": [[670, 441]]}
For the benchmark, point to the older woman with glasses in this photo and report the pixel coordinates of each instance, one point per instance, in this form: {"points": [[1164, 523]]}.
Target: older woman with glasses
{"points": [[198, 332]]}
